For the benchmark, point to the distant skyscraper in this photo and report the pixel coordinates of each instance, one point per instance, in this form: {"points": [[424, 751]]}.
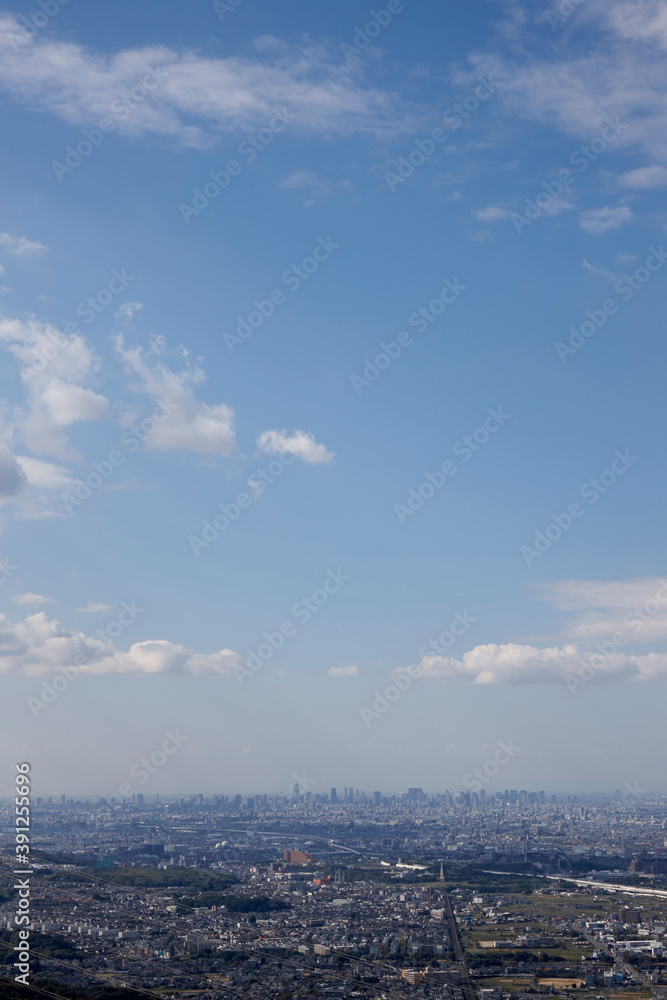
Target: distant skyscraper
{"points": [[334, 796], [377, 798]]}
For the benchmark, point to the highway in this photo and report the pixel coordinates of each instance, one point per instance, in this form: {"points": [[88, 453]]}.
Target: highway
{"points": [[466, 985]]}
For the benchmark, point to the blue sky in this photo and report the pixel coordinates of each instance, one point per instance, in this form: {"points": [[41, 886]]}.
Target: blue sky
{"points": [[500, 167]]}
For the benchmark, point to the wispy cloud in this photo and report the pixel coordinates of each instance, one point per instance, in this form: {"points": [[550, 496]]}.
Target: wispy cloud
{"points": [[36, 600], [20, 245], [300, 443], [93, 608], [604, 220], [349, 671], [620, 73], [492, 213], [197, 97], [645, 177], [313, 187]]}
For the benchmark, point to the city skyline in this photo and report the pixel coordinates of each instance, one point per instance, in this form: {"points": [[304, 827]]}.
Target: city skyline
{"points": [[331, 435]]}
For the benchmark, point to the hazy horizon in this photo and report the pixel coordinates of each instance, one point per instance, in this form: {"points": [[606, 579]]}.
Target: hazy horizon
{"points": [[331, 437]]}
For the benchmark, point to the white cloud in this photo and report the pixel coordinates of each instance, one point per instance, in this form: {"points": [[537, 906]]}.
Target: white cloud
{"points": [[604, 220], [493, 213], [40, 645], [557, 206], [625, 258], [641, 20], [300, 443], [511, 663], [20, 245], [93, 608], [578, 595], [612, 616], [127, 310], [34, 599], [193, 96], [618, 72], [316, 188], [191, 425], [349, 671], [57, 371], [636, 608], [598, 270], [645, 177], [45, 474], [483, 236], [12, 476]]}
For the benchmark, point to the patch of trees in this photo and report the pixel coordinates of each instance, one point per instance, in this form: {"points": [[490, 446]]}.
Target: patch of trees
{"points": [[255, 904], [9, 990], [150, 877]]}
